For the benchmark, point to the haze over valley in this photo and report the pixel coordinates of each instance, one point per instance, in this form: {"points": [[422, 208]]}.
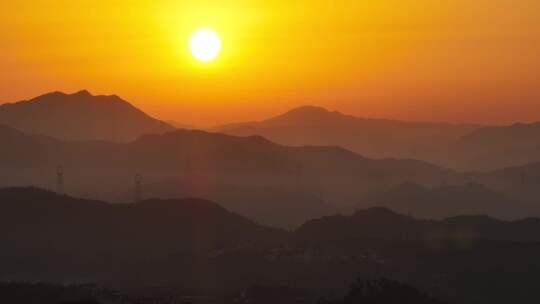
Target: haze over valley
{"points": [[269, 152], [305, 178]]}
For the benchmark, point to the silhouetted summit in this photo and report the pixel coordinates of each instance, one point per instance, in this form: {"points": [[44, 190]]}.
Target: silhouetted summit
{"points": [[80, 116], [306, 113], [458, 146], [375, 138]]}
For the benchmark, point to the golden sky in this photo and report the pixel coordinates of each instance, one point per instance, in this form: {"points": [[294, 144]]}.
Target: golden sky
{"points": [[451, 60]]}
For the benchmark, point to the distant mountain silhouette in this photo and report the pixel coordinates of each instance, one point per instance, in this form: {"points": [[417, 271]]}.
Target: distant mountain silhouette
{"points": [[179, 125], [106, 170], [382, 223], [519, 182], [375, 138], [278, 206], [42, 222], [458, 146], [270, 183], [80, 116], [489, 148], [451, 200]]}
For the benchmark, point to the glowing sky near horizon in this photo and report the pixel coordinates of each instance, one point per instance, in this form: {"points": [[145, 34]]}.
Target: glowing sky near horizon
{"points": [[455, 60]]}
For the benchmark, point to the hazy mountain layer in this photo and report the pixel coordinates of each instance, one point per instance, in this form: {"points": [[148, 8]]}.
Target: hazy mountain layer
{"points": [[451, 200], [375, 138], [278, 206], [106, 170], [458, 146]]}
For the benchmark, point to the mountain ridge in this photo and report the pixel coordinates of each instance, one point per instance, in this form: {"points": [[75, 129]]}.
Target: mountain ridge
{"points": [[80, 116], [105, 170], [373, 138], [464, 147], [383, 223], [450, 200], [95, 227], [314, 111]]}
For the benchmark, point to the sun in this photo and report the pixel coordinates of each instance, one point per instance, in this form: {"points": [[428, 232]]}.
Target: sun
{"points": [[205, 45]]}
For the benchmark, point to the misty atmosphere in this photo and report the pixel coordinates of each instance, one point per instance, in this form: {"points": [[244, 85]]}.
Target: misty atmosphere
{"points": [[269, 153]]}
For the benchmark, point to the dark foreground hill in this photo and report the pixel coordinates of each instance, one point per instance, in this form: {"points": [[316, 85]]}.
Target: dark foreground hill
{"points": [[41, 293], [80, 116], [194, 247], [43, 220], [382, 223], [38, 222], [382, 291]]}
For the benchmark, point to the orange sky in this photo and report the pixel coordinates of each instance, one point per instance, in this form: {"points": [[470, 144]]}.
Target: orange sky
{"points": [[454, 60]]}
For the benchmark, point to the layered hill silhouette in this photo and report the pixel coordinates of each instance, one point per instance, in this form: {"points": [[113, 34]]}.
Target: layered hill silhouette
{"points": [[375, 138], [85, 117], [180, 125], [494, 147], [458, 146], [106, 170], [383, 223], [80, 116], [520, 182], [277, 206], [196, 245], [252, 176], [36, 220], [45, 223], [450, 200]]}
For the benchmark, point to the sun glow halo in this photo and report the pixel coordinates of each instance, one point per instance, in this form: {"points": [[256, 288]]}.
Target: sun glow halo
{"points": [[205, 45]]}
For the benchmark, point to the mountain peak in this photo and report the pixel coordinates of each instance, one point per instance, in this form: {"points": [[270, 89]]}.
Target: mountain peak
{"points": [[309, 109], [73, 117], [304, 114], [53, 94], [59, 95], [83, 93]]}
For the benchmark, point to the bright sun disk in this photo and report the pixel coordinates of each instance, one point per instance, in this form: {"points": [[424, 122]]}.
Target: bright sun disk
{"points": [[205, 45]]}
